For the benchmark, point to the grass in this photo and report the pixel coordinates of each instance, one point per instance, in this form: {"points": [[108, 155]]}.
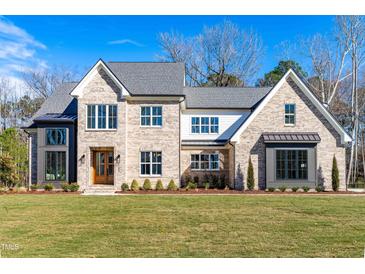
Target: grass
{"points": [[182, 226]]}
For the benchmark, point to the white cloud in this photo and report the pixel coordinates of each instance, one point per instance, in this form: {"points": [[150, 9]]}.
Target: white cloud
{"points": [[125, 41], [18, 52]]}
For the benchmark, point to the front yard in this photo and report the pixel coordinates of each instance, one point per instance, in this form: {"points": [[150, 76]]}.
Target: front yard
{"points": [[181, 226]]}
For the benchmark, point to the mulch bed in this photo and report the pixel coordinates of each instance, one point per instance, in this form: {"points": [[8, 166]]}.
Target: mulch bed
{"points": [[39, 192]]}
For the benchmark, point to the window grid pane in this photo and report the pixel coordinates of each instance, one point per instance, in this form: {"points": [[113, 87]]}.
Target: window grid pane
{"points": [[91, 116], [112, 119], [151, 163], [292, 164], [289, 114], [55, 166]]}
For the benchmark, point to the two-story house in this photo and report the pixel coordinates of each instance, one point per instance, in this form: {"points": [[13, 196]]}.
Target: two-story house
{"points": [[126, 121]]}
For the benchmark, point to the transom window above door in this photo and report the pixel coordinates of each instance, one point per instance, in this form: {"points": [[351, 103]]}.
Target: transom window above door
{"points": [[289, 114], [55, 136], [102, 117], [151, 116], [204, 125]]}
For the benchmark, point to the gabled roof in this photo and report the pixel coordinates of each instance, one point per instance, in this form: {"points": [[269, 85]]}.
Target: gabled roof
{"points": [[140, 79], [345, 137], [224, 97], [150, 78]]}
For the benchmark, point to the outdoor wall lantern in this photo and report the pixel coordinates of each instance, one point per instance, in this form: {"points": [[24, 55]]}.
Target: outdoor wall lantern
{"points": [[82, 159], [117, 159]]}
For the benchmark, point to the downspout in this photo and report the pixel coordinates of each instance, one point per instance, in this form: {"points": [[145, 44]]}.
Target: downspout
{"points": [[29, 141], [180, 102], [234, 164]]}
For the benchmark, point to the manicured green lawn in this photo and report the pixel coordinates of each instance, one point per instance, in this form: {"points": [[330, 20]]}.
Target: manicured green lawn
{"points": [[182, 226]]}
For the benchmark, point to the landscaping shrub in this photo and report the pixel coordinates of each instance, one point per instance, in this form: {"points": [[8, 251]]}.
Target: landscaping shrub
{"points": [[222, 181], [134, 185], [34, 187], [282, 188], [206, 185], [147, 184], [191, 185], [48, 187], [305, 188], [196, 179], [172, 185], [335, 175], [250, 176], [65, 187], [159, 185], [8, 171], [125, 187], [294, 188], [3, 189], [73, 187], [271, 189], [319, 188], [213, 180], [187, 179]]}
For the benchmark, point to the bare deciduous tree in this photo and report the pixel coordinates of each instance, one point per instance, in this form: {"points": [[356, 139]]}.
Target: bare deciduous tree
{"points": [[43, 82], [220, 55]]}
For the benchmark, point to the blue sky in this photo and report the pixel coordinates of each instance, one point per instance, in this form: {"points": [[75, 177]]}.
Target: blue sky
{"points": [[81, 40]]}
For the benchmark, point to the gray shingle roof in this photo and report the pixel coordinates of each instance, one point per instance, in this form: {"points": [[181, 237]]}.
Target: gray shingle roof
{"points": [[150, 78], [291, 137], [60, 102], [222, 97]]}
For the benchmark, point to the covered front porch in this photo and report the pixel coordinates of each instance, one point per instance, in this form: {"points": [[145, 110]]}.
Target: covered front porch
{"points": [[207, 161]]}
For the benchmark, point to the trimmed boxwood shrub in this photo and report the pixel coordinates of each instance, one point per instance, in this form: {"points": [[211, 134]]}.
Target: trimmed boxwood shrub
{"points": [[159, 185], [282, 188], [125, 187], [319, 188], [73, 187], [64, 187], [305, 188], [294, 188], [147, 184], [191, 185], [250, 176], [172, 185], [134, 185], [48, 187], [271, 189], [34, 187], [206, 185]]}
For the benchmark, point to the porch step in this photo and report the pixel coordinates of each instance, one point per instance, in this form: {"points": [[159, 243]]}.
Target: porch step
{"points": [[99, 190]]}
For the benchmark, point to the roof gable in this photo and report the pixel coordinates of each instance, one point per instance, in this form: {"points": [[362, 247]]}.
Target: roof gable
{"points": [[79, 88], [345, 137]]}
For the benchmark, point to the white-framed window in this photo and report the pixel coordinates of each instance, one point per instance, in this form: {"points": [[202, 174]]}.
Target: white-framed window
{"points": [[56, 136], [151, 116], [205, 124], [204, 161], [151, 163], [102, 116], [289, 114]]}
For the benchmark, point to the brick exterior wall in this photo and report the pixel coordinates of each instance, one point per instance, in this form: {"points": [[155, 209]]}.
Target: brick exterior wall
{"points": [[271, 119], [165, 139], [129, 139]]}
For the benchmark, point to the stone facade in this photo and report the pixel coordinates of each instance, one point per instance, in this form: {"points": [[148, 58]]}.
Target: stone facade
{"points": [[129, 139], [271, 119]]}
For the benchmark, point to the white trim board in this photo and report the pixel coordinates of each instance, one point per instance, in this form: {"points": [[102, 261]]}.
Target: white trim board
{"points": [[345, 137], [78, 90]]}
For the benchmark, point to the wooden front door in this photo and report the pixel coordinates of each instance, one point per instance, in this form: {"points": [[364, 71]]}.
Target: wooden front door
{"points": [[103, 164]]}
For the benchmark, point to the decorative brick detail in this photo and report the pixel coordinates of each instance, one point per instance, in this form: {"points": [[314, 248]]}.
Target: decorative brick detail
{"points": [[271, 119]]}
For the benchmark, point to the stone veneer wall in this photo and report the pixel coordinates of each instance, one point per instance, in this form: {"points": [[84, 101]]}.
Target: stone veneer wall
{"points": [[271, 119], [165, 139], [100, 90]]}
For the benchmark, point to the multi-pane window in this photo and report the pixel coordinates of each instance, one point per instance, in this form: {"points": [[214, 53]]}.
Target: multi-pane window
{"points": [[151, 116], [292, 164], [204, 161], [151, 163], [55, 166], [56, 136], [289, 114], [102, 116], [205, 125]]}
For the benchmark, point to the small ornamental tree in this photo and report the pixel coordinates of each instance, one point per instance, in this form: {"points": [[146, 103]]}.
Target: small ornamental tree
{"points": [[250, 176], [8, 174], [335, 175]]}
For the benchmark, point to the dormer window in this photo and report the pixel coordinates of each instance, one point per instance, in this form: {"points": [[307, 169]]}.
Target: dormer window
{"points": [[289, 114]]}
